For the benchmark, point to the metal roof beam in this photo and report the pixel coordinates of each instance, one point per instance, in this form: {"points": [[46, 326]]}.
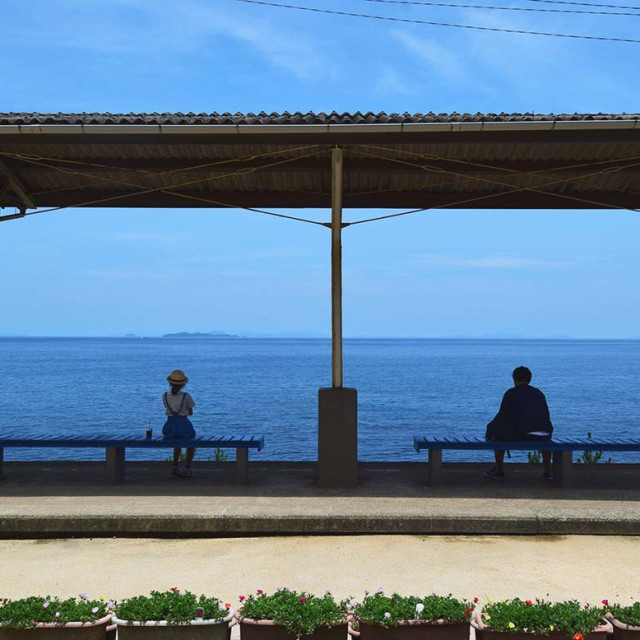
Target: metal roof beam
{"points": [[17, 188], [524, 199]]}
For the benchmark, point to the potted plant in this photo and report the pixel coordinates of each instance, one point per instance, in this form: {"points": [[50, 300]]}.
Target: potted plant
{"points": [[172, 614], [52, 618], [287, 614], [397, 617], [522, 619], [625, 620]]}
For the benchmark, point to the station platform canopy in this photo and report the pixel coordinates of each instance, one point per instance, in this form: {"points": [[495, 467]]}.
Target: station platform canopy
{"points": [[488, 161]]}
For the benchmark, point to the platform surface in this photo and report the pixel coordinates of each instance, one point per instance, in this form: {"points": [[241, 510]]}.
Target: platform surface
{"points": [[55, 499]]}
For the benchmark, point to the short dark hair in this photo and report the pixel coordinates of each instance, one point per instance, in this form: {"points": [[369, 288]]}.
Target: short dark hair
{"points": [[522, 374]]}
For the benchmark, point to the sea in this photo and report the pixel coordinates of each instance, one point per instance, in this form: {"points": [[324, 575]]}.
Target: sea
{"points": [[243, 386]]}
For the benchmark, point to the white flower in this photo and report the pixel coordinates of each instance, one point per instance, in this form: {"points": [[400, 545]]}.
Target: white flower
{"points": [[95, 610], [45, 604], [57, 614], [419, 607], [387, 614]]}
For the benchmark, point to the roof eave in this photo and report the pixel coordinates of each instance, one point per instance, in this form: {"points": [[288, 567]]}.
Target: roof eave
{"points": [[271, 129]]}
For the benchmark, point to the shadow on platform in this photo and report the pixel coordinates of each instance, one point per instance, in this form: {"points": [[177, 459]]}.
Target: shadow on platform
{"points": [[298, 479]]}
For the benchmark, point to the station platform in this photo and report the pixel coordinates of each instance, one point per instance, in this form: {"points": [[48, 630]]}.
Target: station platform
{"points": [[64, 498]]}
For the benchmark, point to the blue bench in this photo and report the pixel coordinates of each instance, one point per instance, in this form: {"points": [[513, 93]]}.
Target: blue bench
{"points": [[562, 449], [115, 448]]}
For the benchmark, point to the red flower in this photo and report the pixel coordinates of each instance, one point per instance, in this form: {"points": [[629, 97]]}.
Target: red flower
{"points": [[34, 622], [259, 592], [227, 605], [528, 602], [303, 599], [5, 600], [578, 636], [605, 602], [175, 590], [241, 598], [476, 599]]}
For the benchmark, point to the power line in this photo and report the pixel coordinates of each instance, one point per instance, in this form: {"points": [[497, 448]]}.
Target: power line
{"points": [[484, 6], [437, 24], [587, 4]]}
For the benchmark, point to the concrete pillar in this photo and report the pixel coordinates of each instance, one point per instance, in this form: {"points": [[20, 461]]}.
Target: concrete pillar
{"points": [[337, 437]]}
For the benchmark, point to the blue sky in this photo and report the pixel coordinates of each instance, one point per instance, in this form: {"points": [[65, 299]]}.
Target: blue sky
{"points": [[440, 273]]}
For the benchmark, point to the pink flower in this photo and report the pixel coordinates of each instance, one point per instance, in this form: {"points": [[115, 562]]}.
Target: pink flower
{"points": [[303, 599], [83, 596], [605, 602], [57, 614], [95, 610], [259, 592], [45, 604], [241, 598]]}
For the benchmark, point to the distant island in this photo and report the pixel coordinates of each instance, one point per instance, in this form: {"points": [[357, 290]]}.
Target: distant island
{"points": [[197, 335]]}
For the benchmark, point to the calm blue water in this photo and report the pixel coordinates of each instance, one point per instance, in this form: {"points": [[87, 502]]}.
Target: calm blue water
{"points": [[252, 386]]}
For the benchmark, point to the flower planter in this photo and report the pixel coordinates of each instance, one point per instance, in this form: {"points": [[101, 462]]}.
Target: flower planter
{"points": [[269, 630], [485, 633], [622, 630], [52, 631], [412, 630], [199, 629]]}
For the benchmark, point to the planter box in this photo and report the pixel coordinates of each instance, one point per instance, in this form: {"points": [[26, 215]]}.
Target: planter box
{"points": [[269, 630], [51, 631], [412, 630], [622, 630], [485, 633], [162, 630]]}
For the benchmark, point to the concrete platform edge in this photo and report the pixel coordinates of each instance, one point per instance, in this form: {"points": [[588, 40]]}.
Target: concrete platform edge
{"points": [[211, 526]]}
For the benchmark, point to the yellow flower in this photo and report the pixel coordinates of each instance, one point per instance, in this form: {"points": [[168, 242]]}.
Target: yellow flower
{"points": [[102, 597], [489, 601], [512, 626], [487, 616], [551, 627]]}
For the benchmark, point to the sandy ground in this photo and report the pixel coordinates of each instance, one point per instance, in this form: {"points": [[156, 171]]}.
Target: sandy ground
{"points": [[586, 568]]}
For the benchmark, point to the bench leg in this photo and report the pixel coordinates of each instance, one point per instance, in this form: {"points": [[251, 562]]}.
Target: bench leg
{"points": [[434, 470], [562, 468], [242, 465], [115, 464]]}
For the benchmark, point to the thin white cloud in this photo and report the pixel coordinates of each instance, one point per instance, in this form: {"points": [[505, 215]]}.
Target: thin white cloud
{"points": [[390, 82], [137, 274], [440, 59], [188, 28], [491, 262]]}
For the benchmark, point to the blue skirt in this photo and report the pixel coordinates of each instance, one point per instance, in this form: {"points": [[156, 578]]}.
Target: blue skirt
{"points": [[178, 428]]}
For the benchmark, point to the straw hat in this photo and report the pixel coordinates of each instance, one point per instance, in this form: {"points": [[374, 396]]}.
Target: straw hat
{"points": [[177, 377]]}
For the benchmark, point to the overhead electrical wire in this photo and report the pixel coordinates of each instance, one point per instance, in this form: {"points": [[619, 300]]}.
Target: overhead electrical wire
{"points": [[438, 24], [588, 4], [492, 7]]}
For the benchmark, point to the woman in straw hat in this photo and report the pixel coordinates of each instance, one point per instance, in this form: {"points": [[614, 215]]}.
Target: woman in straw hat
{"points": [[179, 404]]}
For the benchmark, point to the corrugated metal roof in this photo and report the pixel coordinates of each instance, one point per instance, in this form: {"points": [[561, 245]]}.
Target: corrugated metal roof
{"points": [[298, 118], [507, 166]]}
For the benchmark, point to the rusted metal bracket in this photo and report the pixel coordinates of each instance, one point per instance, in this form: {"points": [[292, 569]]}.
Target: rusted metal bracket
{"points": [[17, 188]]}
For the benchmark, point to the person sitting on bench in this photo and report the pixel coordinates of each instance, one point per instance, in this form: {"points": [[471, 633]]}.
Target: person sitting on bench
{"points": [[524, 416]]}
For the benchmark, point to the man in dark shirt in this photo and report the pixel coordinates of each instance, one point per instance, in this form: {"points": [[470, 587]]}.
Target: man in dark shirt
{"points": [[523, 415]]}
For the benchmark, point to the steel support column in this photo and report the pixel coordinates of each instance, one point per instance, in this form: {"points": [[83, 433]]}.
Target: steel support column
{"points": [[337, 406], [336, 267]]}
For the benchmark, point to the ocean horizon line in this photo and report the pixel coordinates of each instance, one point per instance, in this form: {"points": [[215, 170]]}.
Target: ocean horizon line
{"points": [[294, 336]]}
